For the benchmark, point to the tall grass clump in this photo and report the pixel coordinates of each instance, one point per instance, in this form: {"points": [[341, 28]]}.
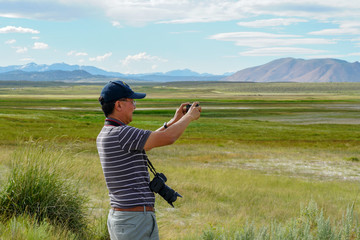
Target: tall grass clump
{"points": [[311, 224], [39, 187], [99, 229], [27, 228]]}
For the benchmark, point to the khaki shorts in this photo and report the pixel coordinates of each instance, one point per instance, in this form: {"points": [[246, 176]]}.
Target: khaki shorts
{"points": [[132, 225]]}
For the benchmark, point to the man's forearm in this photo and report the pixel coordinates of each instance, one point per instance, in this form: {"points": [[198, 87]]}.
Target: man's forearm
{"points": [[169, 135], [176, 129], [166, 136], [168, 124]]}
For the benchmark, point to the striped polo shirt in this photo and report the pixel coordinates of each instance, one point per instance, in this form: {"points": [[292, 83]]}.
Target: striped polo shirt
{"points": [[123, 160]]}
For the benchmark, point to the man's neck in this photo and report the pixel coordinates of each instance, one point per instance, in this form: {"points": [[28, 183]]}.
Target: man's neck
{"points": [[111, 116], [116, 117]]}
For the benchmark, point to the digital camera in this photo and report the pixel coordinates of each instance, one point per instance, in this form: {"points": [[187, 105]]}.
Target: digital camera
{"points": [[189, 105], [157, 185]]}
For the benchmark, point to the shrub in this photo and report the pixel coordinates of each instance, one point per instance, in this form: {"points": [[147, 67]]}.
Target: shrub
{"points": [[37, 187]]}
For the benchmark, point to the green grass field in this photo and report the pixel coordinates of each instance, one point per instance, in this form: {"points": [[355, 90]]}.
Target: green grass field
{"points": [[259, 152]]}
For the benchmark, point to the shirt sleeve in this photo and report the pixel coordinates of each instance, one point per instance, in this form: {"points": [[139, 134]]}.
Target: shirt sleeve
{"points": [[133, 139]]}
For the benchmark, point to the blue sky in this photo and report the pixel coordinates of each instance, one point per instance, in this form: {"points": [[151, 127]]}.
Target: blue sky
{"points": [[142, 36]]}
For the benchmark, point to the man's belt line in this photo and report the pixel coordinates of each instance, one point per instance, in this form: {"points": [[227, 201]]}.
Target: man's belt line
{"points": [[136, 209]]}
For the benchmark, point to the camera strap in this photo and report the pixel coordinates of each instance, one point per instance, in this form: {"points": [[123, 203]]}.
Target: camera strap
{"points": [[151, 167]]}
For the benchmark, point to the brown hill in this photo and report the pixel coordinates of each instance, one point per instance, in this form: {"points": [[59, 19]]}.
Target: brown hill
{"points": [[300, 70]]}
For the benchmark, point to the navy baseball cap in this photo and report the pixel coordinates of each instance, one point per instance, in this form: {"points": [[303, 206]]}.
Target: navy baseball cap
{"points": [[115, 90]]}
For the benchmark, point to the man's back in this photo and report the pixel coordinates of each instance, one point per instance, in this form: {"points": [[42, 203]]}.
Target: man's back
{"points": [[124, 165]]}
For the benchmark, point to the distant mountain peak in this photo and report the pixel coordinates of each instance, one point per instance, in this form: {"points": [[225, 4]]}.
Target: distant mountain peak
{"points": [[182, 72], [29, 64]]}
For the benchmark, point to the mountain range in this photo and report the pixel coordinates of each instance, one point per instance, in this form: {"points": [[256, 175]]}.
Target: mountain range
{"points": [[53, 75], [280, 70], [300, 70], [63, 71]]}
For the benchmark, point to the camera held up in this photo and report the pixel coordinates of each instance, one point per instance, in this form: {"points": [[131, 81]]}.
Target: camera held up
{"points": [[189, 105], [157, 185]]}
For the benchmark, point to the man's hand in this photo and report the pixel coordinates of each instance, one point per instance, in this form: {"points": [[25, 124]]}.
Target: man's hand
{"points": [[194, 111], [180, 112], [163, 137]]}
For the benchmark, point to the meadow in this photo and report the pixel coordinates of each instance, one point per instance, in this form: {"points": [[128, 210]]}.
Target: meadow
{"points": [[259, 154]]}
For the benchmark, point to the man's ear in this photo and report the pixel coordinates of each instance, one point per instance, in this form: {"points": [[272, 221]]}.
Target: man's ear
{"points": [[118, 105]]}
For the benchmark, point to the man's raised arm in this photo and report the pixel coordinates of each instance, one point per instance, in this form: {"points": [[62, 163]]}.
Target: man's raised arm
{"points": [[181, 120]]}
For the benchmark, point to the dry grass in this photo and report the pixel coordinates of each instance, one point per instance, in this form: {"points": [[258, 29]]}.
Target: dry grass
{"points": [[256, 164]]}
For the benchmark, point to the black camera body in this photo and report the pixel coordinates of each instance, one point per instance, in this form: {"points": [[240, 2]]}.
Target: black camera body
{"points": [[157, 185], [189, 105]]}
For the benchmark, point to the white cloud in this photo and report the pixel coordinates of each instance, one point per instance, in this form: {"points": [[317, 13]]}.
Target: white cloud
{"points": [[141, 61], [143, 56], [141, 12], [35, 38], [47, 10], [11, 41], [10, 15], [101, 58], [77, 54], [271, 22], [320, 9], [137, 12], [21, 49], [40, 45], [71, 53], [185, 32], [234, 36], [356, 41], [260, 39], [27, 59], [116, 24], [280, 51], [13, 29], [355, 54], [337, 31], [345, 28], [282, 42]]}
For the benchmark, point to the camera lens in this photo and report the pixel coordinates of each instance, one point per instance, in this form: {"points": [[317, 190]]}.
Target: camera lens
{"points": [[157, 185]]}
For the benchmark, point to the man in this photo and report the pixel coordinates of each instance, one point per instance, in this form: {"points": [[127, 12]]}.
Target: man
{"points": [[122, 154]]}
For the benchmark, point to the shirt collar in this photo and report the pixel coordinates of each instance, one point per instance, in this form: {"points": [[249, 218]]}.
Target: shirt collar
{"points": [[114, 121]]}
